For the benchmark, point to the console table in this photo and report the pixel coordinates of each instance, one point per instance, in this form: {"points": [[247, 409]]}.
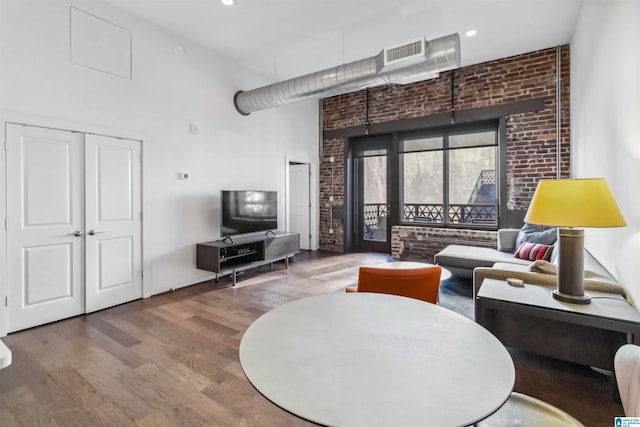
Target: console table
{"points": [[232, 255], [529, 318]]}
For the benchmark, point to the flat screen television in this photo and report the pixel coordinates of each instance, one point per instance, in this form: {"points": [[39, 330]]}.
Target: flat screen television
{"points": [[244, 212]]}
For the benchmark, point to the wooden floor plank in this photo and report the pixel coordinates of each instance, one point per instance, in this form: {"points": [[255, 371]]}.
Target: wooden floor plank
{"points": [[186, 375], [151, 348], [6, 419], [233, 316], [154, 419], [212, 325], [204, 367], [108, 344], [26, 409], [183, 393], [52, 403], [116, 334], [99, 406]]}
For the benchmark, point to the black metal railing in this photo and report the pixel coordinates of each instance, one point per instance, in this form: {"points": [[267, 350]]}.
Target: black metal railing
{"points": [[373, 215], [433, 213], [373, 212], [458, 213]]}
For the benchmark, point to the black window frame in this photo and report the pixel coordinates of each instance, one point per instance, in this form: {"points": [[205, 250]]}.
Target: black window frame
{"points": [[499, 127]]}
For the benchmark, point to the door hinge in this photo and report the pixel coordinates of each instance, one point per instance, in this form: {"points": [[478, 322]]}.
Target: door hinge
{"points": [[5, 224], [310, 205], [6, 301], [140, 216], [142, 273], [310, 236]]}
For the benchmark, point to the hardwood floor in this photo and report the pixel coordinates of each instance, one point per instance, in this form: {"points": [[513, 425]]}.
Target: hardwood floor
{"points": [[172, 359]]}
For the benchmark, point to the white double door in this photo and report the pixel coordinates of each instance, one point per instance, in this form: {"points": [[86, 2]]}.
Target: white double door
{"points": [[73, 224]]}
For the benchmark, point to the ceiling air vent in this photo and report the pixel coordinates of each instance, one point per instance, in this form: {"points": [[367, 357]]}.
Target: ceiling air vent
{"points": [[403, 55]]}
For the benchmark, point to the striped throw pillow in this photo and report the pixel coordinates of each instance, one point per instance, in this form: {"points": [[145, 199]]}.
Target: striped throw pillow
{"points": [[534, 251]]}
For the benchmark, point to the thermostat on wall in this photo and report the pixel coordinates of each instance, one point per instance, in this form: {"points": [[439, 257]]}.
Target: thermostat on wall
{"points": [[183, 175]]}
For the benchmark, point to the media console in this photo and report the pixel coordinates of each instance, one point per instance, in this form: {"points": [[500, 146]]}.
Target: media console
{"points": [[235, 254]]}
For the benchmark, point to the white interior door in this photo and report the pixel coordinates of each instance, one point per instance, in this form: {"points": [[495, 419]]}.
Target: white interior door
{"points": [[45, 225], [299, 205], [113, 221]]}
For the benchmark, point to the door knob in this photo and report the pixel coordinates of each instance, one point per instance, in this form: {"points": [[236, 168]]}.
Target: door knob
{"points": [[76, 233], [94, 232]]}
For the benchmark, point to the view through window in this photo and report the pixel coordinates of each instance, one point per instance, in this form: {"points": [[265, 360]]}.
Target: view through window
{"points": [[376, 208], [449, 178]]}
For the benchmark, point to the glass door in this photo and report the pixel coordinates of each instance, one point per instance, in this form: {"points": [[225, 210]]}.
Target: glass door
{"points": [[371, 194]]}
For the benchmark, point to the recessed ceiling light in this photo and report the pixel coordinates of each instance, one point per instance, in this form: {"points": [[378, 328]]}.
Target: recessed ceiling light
{"points": [[227, 2], [471, 33]]}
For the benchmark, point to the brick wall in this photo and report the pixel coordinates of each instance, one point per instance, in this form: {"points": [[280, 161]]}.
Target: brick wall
{"points": [[422, 243], [531, 137], [332, 182]]}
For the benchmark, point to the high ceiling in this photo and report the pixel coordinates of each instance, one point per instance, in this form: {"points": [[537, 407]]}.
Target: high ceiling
{"points": [[288, 38]]}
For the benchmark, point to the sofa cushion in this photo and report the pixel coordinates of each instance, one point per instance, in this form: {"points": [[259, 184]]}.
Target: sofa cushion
{"points": [[470, 257], [533, 251], [507, 239], [537, 234]]}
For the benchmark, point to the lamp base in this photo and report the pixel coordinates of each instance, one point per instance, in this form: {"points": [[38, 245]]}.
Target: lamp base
{"points": [[571, 267], [574, 299]]}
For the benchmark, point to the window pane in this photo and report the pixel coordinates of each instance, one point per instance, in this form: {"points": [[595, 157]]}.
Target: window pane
{"points": [[369, 153], [472, 139], [472, 186], [375, 198], [422, 187], [422, 144]]}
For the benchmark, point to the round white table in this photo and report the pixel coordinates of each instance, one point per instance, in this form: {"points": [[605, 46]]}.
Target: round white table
{"points": [[365, 359]]}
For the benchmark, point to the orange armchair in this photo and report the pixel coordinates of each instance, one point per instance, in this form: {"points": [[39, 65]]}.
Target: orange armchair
{"points": [[422, 283]]}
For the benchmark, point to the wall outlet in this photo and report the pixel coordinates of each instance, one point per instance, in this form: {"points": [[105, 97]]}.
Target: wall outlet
{"points": [[331, 159], [331, 231], [331, 198]]}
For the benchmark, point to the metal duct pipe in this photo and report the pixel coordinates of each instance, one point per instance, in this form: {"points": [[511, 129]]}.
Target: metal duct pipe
{"points": [[439, 55]]}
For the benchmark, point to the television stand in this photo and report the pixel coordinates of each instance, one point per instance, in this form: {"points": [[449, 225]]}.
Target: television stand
{"points": [[232, 256]]}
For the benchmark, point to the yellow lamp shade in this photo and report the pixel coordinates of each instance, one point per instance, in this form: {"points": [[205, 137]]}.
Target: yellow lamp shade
{"points": [[574, 203]]}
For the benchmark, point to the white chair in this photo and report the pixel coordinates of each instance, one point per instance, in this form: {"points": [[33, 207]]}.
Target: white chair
{"points": [[627, 368], [526, 411]]}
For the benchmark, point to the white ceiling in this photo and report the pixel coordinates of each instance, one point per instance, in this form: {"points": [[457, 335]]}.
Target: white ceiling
{"points": [[288, 38]]}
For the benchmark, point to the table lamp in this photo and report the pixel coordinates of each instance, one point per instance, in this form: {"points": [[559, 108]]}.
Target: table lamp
{"points": [[569, 203]]}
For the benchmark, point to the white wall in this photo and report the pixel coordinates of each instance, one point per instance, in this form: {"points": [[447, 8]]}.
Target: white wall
{"points": [[605, 124], [166, 94]]}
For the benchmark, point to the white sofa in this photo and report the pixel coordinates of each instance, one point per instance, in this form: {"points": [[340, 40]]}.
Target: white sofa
{"points": [[480, 263], [461, 260]]}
